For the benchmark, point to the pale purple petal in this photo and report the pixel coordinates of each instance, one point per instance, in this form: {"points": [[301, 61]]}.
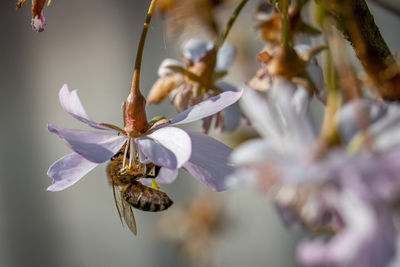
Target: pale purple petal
{"points": [[71, 103], [261, 114], [242, 178], [386, 131], [295, 124], [357, 114], [301, 100], [275, 117], [94, 146], [169, 62], [194, 48], [316, 75], [232, 114], [166, 176], [209, 161], [232, 118], [313, 69], [68, 170], [367, 240], [226, 55], [207, 108], [167, 147], [253, 152], [374, 176], [390, 121]]}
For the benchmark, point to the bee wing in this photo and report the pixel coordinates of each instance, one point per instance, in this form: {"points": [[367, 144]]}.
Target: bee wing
{"points": [[124, 210], [129, 217]]}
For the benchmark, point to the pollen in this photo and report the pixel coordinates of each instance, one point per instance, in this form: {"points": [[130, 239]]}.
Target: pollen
{"points": [[131, 163]]}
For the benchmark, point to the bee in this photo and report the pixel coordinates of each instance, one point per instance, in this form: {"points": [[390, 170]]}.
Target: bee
{"points": [[129, 192]]}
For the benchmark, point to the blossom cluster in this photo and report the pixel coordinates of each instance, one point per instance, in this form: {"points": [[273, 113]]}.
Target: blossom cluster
{"points": [[338, 179]]}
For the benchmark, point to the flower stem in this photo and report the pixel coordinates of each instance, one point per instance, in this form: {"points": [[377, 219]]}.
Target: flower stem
{"points": [[139, 54], [285, 23], [135, 105], [357, 24], [329, 134], [230, 23]]}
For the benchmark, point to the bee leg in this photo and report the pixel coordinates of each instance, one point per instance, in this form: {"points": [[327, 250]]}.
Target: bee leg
{"points": [[154, 184]]}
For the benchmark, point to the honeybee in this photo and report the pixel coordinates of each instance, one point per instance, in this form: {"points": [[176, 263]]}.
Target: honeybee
{"points": [[129, 192]]}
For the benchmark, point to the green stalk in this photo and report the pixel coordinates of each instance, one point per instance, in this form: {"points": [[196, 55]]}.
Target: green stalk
{"points": [[285, 23], [139, 54], [135, 105], [230, 23]]}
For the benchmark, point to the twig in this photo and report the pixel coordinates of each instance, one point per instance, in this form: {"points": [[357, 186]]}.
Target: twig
{"points": [[357, 24]]}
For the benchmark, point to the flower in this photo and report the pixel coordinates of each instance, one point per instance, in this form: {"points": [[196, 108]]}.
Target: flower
{"points": [[38, 20], [351, 190], [364, 192], [296, 66], [196, 80], [168, 147], [270, 23], [363, 197], [278, 161]]}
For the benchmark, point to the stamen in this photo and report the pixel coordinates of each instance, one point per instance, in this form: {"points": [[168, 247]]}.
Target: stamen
{"points": [[125, 153], [132, 154]]}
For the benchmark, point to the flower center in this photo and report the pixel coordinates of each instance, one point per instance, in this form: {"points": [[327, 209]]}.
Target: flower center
{"points": [[134, 162]]}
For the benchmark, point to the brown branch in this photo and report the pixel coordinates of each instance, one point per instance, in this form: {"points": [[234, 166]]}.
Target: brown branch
{"points": [[357, 24]]}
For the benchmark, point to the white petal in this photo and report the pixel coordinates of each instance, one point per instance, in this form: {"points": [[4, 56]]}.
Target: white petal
{"points": [[261, 113], [253, 151], [296, 125], [209, 161], [195, 48], [301, 100], [167, 147], [71, 103], [357, 114], [226, 55], [316, 75], [232, 114], [207, 108], [68, 170], [168, 62], [93, 145]]}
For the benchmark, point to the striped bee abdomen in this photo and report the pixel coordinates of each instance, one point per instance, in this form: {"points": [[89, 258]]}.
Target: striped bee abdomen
{"points": [[146, 198]]}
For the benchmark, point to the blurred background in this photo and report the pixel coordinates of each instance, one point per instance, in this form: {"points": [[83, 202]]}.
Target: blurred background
{"points": [[91, 45]]}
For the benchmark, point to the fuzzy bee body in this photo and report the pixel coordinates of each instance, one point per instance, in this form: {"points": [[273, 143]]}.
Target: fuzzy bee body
{"points": [[130, 192], [118, 175]]}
